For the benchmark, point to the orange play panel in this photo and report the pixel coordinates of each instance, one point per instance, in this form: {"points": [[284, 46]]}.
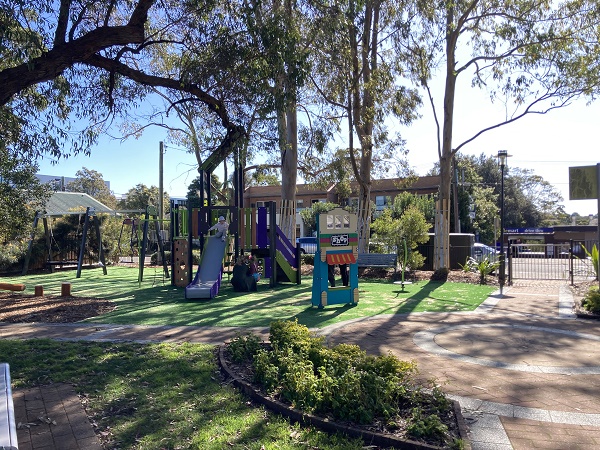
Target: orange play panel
{"points": [[340, 258]]}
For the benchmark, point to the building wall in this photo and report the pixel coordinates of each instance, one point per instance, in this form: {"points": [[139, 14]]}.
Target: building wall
{"points": [[382, 191], [60, 181], [306, 195]]}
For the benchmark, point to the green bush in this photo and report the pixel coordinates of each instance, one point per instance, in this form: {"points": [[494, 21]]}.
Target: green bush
{"points": [[244, 346], [266, 372], [484, 267], [422, 425], [591, 301], [12, 254], [343, 381], [287, 334]]}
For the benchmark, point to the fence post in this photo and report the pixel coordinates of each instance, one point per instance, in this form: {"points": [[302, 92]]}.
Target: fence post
{"points": [[571, 274], [510, 261]]}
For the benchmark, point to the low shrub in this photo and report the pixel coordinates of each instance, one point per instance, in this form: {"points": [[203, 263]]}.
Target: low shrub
{"points": [[591, 301], [484, 267], [342, 382], [244, 346]]}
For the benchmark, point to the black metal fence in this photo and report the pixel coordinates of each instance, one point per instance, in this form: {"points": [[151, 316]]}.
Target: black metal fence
{"points": [[568, 261]]}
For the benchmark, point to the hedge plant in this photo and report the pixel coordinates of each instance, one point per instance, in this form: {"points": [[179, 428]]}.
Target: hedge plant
{"points": [[342, 381]]}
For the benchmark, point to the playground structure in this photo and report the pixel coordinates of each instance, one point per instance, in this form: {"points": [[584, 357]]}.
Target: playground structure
{"points": [[337, 243], [75, 252], [251, 231], [63, 204]]}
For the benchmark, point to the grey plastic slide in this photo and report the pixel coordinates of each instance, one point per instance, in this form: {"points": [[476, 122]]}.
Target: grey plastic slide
{"points": [[208, 278]]}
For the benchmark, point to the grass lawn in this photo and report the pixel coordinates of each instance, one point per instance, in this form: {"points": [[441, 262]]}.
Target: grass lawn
{"points": [[159, 396], [155, 303]]}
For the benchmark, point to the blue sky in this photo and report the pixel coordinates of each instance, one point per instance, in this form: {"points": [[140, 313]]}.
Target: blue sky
{"points": [[548, 144]]}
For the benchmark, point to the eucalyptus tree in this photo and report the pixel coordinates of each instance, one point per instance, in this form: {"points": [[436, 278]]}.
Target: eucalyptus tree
{"points": [[356, 78], [92, 61], [91, 182], [283, 29], [530, 201], [532, 55], [21, 195]]}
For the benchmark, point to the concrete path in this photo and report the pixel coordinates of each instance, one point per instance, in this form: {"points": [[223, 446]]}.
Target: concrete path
{"points": [[525, 371]]}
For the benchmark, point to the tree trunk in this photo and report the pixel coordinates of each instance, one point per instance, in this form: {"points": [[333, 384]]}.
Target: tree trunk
{"points": [[361, 108], [289, 173], [442, 216]]}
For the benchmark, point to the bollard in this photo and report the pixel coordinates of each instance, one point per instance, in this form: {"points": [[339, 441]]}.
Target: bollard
{"points": [[65, 290], [39, 291]]}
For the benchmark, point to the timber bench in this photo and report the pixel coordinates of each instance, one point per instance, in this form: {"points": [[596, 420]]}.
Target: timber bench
{"points": [[377, 260], [8, 429]]}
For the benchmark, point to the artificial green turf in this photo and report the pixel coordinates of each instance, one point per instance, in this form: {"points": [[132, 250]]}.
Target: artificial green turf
{"points": [[154, 303]]}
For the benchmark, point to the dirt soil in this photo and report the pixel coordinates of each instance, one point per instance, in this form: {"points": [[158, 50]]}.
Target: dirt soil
{"points": [[16, 307]]}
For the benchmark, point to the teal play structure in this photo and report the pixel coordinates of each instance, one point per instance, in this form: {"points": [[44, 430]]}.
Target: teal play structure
{"points": [[337, 243]]}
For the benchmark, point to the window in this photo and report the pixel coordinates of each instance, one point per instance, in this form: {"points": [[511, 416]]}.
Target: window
{"points": [[264, 204], [318, 200], [353, 203], [346, 221], [381, 202], [299, 204], [329, 221]]}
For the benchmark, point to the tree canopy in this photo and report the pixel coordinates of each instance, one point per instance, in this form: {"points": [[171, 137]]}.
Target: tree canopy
{"points": [[237, 73], [92, 183]]}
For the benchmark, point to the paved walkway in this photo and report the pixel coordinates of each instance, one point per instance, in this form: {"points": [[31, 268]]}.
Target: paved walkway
{"points": [[525, 371]]}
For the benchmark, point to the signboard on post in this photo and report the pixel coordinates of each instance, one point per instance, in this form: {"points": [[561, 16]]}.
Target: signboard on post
{"points": [[583, 183]]}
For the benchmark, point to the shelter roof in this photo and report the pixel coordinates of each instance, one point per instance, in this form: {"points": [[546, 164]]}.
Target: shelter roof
{"points": [[64, 203]]}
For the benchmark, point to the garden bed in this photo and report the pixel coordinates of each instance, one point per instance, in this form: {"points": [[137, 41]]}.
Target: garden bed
{"points": [[579, 290], [395, 431]]}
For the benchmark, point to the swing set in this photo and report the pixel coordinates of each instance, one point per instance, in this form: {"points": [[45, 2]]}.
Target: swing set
{"points": [[68, 204], [82, 256]]}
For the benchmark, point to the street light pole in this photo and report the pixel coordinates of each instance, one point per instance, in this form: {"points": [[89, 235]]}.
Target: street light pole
{"points": [[502, 155]]}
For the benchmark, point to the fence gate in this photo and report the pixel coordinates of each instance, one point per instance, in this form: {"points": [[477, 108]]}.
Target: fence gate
{"points": [[567, 261]]}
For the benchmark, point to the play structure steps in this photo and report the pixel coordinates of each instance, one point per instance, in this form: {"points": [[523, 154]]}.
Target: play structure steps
{"points": [[229, 260]]}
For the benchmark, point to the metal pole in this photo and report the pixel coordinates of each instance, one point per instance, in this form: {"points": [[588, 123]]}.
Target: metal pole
{"points": [[502, 261], [160, 186], [598, 197]]}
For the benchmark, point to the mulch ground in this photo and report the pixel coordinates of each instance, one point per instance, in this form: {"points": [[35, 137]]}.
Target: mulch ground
{"points": [[16, 307]]}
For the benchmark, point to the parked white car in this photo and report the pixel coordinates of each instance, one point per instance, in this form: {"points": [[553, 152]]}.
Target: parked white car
{"points": [[481, 251]]}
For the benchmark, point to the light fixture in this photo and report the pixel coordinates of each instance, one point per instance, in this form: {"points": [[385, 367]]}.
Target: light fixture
{"points": [[502, 156]]}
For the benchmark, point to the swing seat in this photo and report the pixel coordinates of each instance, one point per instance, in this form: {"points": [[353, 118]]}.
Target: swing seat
{"points": [[62, 263]]}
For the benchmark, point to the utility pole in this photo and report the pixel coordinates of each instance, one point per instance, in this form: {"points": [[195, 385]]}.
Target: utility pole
{"points": [[160, 185]]}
